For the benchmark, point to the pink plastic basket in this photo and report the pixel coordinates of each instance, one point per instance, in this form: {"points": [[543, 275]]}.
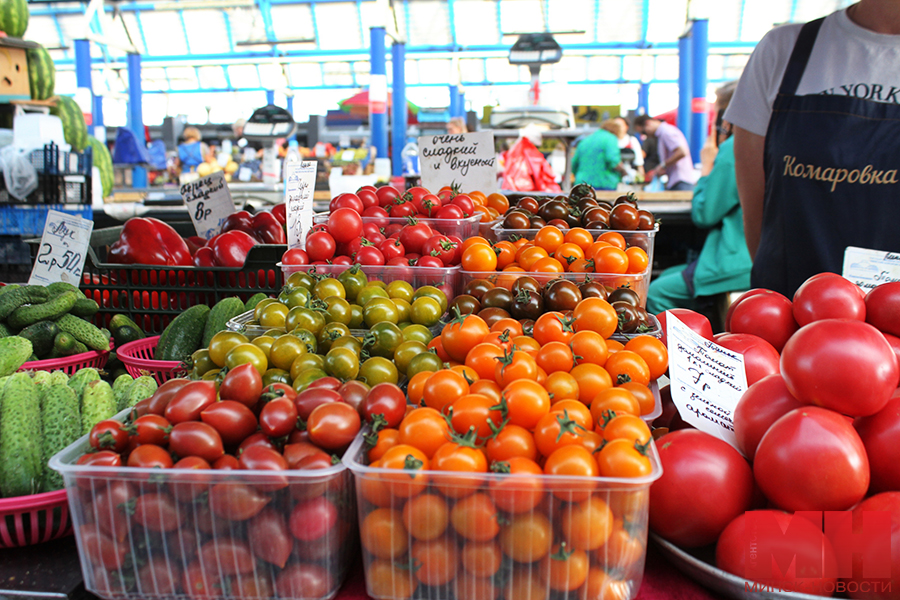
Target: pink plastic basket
{"points": [[137, 356], [27, 520], [69, 364]]}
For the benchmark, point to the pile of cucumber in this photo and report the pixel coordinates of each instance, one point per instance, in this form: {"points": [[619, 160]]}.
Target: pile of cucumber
{"points": [[55, 319], [194, 328], [41, 413]]}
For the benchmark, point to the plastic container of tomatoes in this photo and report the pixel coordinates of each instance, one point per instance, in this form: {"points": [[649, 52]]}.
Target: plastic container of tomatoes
{"points": [[160, 534], [639, 282], [447, 279], [240, 324], [644, 239], [442, 535], [462, 228]]}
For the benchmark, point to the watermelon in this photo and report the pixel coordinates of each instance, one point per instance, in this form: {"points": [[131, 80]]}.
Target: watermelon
{"points": [[74, 127], [41, 73], [14, 17], [103, 162]]}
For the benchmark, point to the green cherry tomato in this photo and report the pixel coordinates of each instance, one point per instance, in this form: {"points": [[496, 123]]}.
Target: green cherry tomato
{"points": [[401, 289], [305, 318], [425, 310], [369, 292], [427, 361], [305, 362], [264, 342], [247, 353], [307, 337], [331, 332], [338, 311], [211, 375], [329, 287], [276, 375], [302, 381], [430, 290], [383, 339], [298, 296], [403, 308], [301, 279], [222, 343], [405, 352], [353, 280], [348, 341], [378, 370], [417, 333], [202, 362], [356, 317], [260, 306], [378, 283], [342, 363], [378, 310]]}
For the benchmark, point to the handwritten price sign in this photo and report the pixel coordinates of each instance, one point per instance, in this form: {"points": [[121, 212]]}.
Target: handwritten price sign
{"points": [[209, 203], [64, 246], [298, 199], [707, 380], [466, 159]]}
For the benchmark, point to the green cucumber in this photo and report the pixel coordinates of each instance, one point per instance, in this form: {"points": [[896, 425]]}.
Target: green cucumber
{"points": [[124, 330], [253, 300], [97, 404], [83, 331], [41, 335], [183, 335], [14, 352], [28, 294], [121, 385], [52, 309], [79, 380], [21, 460], [64, 344], [218, 318], [61, 422], [142, 388], [85, 308]]}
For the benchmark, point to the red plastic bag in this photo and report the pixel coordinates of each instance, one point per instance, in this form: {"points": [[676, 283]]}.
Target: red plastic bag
{"points": [[527, 170]]}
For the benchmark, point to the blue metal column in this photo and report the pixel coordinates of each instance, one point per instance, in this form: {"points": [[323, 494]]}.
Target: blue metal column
{"points": [[136, 114], [98, 112], [700, 112], [684, 85], [290, 105], [378, 68], [643, 106], [399, 114], [454, 101], [461, 104], [270, 96], [83, 72]]}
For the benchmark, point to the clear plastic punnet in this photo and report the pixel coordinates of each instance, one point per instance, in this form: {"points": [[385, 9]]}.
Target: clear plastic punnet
{"points": [[454, 536], [154, 534]]}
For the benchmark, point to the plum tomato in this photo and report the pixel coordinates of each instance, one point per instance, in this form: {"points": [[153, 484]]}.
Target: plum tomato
{"points": [[242, 384], [194, 438], [189, 401], [233, 420], [313, 519], [387, 400], [109, 435], [333, 426], [278, 417]]}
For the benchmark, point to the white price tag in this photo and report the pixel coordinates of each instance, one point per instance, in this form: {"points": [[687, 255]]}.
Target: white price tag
{"points": [[298, 200], [64, 247], [707, 380], [870, 268], [466, 159], [348, 155], [209, 203]]}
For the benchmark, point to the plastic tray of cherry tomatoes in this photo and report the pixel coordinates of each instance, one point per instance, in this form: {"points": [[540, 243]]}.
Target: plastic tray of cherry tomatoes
{"points": [[644, 239], [443, 535], [446, 279], [462, 228], [224, 534]]}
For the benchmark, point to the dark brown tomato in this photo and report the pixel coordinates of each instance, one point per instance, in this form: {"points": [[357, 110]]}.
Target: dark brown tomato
{"points": [[586, 203], [553, 210], [528, 203], [646, 221], [477, 288], [497, 298], [536, 222], [624, 294], [559, 224], [627, 199], [573, 218], [526, 283], [595, 214], [593, 225], [593, 289], [465, 304], [561, 295], [624, 216], [527, 305], [629, 318], [492, 315], [516, 220]]}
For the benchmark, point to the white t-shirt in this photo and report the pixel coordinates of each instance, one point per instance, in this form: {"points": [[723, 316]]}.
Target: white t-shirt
{"points": [[629, 141], [847, 60]]}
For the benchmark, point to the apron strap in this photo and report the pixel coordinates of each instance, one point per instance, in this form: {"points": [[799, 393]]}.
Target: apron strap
{"points": [[799, 57]]}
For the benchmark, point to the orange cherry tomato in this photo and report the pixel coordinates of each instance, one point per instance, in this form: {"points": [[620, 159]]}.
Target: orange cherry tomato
{"points": [[475, 239], [596, 314], [614, 238], [565, 569], [628, 427], [528, 256], [443, 388], [424, 428], [507, 255], [572, 461], [549, 238], [547, 265], [555, 356], [527, 401], [561, 386], [646, 399], [474, 412], [383, 535], [483, 359], [479, 257], [409, 463], [498, 202], [626, 365], [638, 261], [592, 380], [426, 516], [587, 525], [580, 237], [653, 351], [384, 439], [475, 518], [610, 260], [588, 347], [624, 458], [487, 387], [513, 326], [514, 366], [527, 345], [611, 402], [614, 346], [415, 388], [567, 253], [553, 327], [511, 441]]}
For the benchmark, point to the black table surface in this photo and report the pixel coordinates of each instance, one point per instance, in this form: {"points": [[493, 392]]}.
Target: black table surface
{"points": [[48, 570]]}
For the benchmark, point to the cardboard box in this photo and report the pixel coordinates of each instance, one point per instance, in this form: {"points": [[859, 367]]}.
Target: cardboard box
{"points": [[14, 70]]}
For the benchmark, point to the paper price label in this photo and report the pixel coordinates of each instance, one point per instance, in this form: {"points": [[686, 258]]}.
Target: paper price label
{"points": [[466, 159], [209, 203], [298, 199], [64, 247], [707, 380], [870, 268]]}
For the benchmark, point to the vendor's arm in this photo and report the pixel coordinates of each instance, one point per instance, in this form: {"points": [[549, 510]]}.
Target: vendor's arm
{"points": [[751, 182], [679, 153], [612, 153], [715, 194]]}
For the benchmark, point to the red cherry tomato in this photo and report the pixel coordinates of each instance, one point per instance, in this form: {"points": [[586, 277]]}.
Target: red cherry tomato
{"points": [[232, 420], [295, 256], [333, 426], [278, 417], [109, 435], [189, 401], [196, 439], [313, 519], [242, 384]]}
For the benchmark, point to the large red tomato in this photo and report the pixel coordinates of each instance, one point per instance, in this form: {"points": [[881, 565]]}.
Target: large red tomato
{"points": [[709, 472], [762, 404], [894, 342], [802, 539], [887, 502], [769, 316], [827, 296], [695, 322], [741, 298], [880, 433], [841, 364], [883, 307], [760, 358], [812, 459]]}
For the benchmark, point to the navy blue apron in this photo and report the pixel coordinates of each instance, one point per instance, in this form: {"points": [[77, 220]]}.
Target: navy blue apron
{"points": [[831, 165]]}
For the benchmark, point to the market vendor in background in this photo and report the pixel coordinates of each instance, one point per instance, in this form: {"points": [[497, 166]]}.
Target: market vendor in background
{"points": [[817, 135], [629, 147], [724, 262], [597, 161], [457, 125], [674, 153], [192, 151]]}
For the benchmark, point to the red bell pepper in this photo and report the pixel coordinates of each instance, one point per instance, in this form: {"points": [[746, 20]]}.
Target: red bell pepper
{"points": [[238, 221], [148, 241], [280, 212], [267, 229], [230, 248], [194, 243], [204, 257]]}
